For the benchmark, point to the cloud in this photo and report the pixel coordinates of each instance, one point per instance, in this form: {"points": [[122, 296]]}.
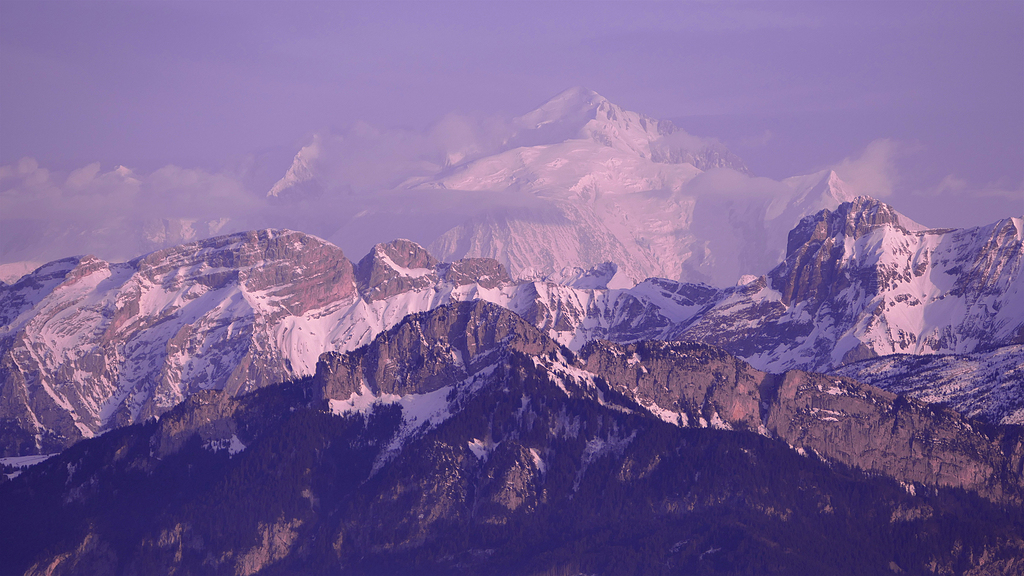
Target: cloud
{"points": [[951, 184], [955, 187], [365, 159], [729, 184], [115, 214], [874, 172]]}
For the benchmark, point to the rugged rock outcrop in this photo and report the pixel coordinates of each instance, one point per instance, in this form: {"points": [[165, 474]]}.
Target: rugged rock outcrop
{"points": [[836, 418], [693, 385], [487, 272], [395, 267], [428, 351]]}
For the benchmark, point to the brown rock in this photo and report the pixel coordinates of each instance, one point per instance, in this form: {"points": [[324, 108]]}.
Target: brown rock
{"points": [[393, 268]]}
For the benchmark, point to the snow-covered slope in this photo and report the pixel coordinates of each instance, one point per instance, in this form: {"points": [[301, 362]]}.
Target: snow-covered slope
{"points": [[986, 385]]}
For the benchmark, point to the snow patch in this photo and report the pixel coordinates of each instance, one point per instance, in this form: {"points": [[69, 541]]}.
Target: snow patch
{"points": [[677, 418], [409, 272], [482, 448], [25, 461], [542, 466], [233, 445], [717, 422]]}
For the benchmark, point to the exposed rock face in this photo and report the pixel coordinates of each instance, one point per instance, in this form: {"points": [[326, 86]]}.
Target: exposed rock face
{"points": [[393, 268], [403, 266], [210, 414], [837, 418], [426, 352], [703, 385], [879, 431], [276, 541], [487, 272]]}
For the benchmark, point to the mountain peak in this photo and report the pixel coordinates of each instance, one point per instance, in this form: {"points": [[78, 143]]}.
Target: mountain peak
{"points": [[566, 113], [301, 179], [837, 189], [395, 267], [853, 219], [582, 114], [575, 98]]}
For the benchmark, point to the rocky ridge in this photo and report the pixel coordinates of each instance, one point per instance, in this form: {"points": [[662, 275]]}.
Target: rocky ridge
{"points": [[986, 385], [684, 384]]}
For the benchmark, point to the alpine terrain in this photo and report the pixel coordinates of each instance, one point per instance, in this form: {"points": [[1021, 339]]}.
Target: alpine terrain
{"points": [[465, 441], [601, 346]]}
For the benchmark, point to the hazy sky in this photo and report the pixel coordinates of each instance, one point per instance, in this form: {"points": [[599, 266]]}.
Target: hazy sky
{"points": [[929, 94]]}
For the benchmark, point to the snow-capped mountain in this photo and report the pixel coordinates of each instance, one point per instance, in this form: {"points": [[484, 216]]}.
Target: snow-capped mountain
{"points": [[87, 345], [577, 182], [580, 114], [301, 180], [620, 187], [574, 183], [863, 281]]}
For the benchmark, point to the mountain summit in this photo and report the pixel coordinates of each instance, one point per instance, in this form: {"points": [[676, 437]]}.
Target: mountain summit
{"points": [[576, 182], [582, 114]]}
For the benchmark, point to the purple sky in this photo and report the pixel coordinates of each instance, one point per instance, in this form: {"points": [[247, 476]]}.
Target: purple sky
{"points": [[932, 92]]}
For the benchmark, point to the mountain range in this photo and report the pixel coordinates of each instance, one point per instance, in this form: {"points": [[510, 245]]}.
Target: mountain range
{"points": [[88, 345]]}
